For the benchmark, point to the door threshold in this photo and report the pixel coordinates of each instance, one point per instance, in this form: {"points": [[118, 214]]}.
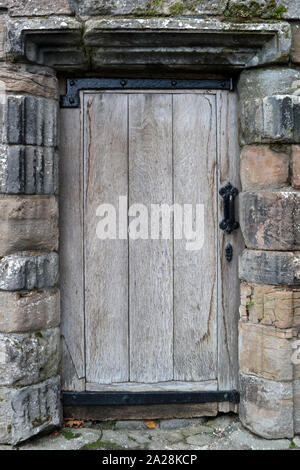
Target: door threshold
{"points": [[148, 398]]}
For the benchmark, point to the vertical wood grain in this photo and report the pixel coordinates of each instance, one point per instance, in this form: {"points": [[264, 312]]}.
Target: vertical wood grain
{"points": [[156, 148], [106, 261], [195, 272], [71, 259], [229, 285], [150, 261]]}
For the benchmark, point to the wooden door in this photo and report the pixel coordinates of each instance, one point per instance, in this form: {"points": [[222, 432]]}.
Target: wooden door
{"points": [[146, 313]]}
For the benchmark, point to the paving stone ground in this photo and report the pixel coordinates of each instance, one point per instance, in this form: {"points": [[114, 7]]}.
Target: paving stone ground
{"points": [[222, 433]]}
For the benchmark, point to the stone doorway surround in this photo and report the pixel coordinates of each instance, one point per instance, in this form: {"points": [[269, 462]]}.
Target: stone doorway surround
{"points": [[33, 52]]}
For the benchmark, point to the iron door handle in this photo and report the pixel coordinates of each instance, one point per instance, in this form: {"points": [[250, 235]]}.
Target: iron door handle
{"points": [[228, 193]]}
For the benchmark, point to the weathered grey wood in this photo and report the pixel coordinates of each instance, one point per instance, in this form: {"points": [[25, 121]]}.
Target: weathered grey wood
{"points": [[166, 146], [229, 285], [150, 261], [195, 272], [113, 413], [106, 261], [173, 386], [71, 381], [71, 259]]}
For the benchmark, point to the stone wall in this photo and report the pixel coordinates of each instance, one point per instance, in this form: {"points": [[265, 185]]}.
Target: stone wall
{"points": [[269, 205], [269, 267], [29, 298]]}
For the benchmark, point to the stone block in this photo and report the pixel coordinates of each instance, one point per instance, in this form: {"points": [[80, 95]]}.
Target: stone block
{"points": [[28, 270], [32, 80], [268, 9], [263, 167], [263, 82], [297, 405], [270, 119], [266, 407], [27, 411], [29, 311], [265, 351], [38, 8], [150, 8], [29, 120], [28, 170], [295, 51], [2, 36], [270, 220], [28, 223], [296, 166], [270, 267], [271, 305], [29, 358]]}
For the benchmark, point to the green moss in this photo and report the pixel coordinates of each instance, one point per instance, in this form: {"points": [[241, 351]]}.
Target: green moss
{"points": [[38, 334], [293, 445], [10, 58], [249, 303], [279, 11], [69, 434], [40, 421], [132, 438], [267, 9], [100, 445], [176, 8]]}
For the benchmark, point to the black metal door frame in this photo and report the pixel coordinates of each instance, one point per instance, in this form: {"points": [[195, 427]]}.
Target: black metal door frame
{"points": [[75, 85]]}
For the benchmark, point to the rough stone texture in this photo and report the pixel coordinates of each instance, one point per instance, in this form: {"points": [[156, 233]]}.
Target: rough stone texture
{"points": [[28, 358], [17, 27], [29, 120], [270, 305], [296, 166], [28, 223], [25, 412], [266, 407], [152, 7], [28, 169], [28, 270], [266, 267], [295, 51], [297, 405], [270, 220], [270, 119], [262, 167], [264, 82], [39, 8], [263, 9], [221, 433], [28, 311], [269, 9], [265, 351], [2, 36], [234, 44], [34, 80]]}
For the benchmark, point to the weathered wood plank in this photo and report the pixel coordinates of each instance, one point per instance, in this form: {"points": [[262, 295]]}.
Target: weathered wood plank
{"points": [[150, 261], [228, 279], [195, 272], [174, 386], [106, 261], [71, 259]]}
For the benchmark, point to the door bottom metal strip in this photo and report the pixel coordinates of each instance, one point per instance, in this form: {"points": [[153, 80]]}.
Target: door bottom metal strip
{"points": [[147, 398]]}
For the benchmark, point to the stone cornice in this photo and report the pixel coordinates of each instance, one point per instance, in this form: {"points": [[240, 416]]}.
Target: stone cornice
{"points": [[66, 43]]}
